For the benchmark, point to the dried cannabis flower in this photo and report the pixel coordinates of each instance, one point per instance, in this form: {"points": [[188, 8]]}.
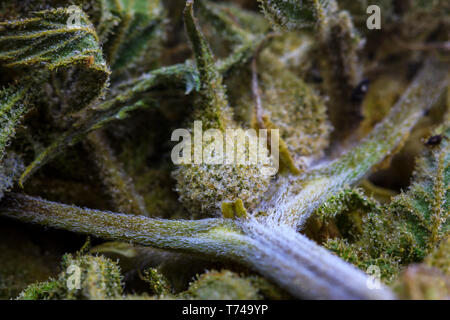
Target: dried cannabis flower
{"points": [[116, 75], [99, 279], [223, 285]]}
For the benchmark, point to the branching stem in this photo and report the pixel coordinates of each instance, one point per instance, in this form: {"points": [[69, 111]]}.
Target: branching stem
{"points": [[297, 264], [296, 199]]}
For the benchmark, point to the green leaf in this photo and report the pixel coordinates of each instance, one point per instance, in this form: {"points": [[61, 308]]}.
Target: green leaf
{"points": [[47, 42], [295, 14], [135, 31], [345, 201], [222, 23], [425, 208], [12, 107], [50, 41]]}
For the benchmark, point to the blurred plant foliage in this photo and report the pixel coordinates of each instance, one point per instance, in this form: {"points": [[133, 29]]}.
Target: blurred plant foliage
{"points": [[86, 115]]}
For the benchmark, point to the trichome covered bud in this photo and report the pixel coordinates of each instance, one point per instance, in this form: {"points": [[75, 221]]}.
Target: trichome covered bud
{"points": [[204, 187]]}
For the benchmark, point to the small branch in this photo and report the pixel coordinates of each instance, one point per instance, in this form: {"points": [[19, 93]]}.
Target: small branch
{"points": [[257, 94], [255, 83], [117, 182], [295, 200]]}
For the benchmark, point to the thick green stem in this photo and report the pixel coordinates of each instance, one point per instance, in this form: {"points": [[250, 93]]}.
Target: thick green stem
{"points": [[303, 268], [213, 237], [297, 264]]}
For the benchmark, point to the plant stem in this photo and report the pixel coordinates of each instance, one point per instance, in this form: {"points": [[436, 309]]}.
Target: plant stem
{"points": [[297, 264], [295, 200]]}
